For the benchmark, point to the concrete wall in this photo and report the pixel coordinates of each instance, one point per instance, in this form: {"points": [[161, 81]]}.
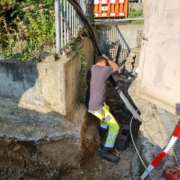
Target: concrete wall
{"points": [[130, 32], [159, 74], [36, 99], [45, 86], [144, 7]]}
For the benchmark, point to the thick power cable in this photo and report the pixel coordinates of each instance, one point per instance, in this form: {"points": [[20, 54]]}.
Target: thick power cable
{"points": [[86, 23], [78, 9], [83, 18], [86, 20], [90, 30]]}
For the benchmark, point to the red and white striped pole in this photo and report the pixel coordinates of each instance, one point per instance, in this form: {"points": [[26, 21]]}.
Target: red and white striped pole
{"points": [[158, 159]]}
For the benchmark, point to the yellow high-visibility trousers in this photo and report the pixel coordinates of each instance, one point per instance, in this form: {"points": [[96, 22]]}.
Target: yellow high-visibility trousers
{"points": [[107, 120]]}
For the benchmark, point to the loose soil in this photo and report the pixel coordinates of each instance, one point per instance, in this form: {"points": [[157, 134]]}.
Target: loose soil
{"points": [[95, 168], [32, 165]]}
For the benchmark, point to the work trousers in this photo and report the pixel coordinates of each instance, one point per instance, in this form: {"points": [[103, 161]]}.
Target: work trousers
{"points": [[107, 121]]}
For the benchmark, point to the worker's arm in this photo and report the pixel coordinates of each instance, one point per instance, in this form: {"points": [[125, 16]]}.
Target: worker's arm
{"points": [[114, 65]]}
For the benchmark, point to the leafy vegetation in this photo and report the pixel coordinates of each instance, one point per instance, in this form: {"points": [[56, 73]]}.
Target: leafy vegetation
{"points": [[134, 13], [27, 28]]}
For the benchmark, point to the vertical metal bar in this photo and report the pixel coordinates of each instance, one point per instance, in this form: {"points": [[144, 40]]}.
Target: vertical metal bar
{"points": [[114, 34], [70, 22], [111, 35], [61, 21], [112, 30], [64, 16], [56, 5], [107, 32], [75, 23], [81, 4], [78, 23], [67, 20]]}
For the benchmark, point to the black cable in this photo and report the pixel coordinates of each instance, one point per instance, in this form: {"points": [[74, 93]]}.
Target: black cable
{"points": [[113, 82], [87, 25], [83, 18], [87, 22]]}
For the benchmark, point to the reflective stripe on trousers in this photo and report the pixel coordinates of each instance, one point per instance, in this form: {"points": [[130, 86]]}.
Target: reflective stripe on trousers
{"points": [[109, 121]]}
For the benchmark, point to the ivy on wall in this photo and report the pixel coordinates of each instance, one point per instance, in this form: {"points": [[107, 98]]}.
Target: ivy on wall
{"points": [[82, 73]]}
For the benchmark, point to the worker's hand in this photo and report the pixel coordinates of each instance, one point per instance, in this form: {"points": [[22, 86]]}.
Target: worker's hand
{"points": [[111, 63], [114, 65], [107, 63]]}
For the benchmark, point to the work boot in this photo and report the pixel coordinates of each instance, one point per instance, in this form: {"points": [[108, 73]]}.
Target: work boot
{"points": [[110, 157]]}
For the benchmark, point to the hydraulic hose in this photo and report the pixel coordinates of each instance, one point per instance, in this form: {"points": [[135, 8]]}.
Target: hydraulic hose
{"points": [[83, 18]]}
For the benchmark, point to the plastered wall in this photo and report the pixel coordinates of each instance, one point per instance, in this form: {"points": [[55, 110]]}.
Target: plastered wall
{"points": [[45, 86], [159, 69]]}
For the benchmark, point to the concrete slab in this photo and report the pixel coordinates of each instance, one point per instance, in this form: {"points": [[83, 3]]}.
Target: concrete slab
{"points": [[31, 141]]}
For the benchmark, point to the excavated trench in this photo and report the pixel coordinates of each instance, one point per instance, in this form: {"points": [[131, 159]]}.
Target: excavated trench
{"points": [[75, 157], [28, 160], [128, 167], [48, 160]]}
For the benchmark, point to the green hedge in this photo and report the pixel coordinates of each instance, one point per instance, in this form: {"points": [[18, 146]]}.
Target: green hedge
{"points": [[27, 28]]}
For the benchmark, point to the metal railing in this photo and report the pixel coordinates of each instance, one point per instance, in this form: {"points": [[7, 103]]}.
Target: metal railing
{"points": [[102, 21], [136, 1], [111, 35], [68, 23]]}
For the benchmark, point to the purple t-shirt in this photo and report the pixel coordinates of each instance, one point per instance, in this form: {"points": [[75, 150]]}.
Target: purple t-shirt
{"points": [[97, 86]]}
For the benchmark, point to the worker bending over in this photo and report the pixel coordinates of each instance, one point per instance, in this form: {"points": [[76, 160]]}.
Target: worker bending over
{"points": [[95, 103]]}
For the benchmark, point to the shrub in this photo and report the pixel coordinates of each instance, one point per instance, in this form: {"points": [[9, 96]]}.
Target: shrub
{"points": [[29, 29]]}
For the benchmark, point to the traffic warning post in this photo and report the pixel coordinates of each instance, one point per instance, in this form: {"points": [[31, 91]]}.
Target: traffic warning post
{"points": [[158, 158]]}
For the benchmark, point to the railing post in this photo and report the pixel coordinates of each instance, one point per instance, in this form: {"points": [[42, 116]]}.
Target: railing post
{"points": [[57, 23]]}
